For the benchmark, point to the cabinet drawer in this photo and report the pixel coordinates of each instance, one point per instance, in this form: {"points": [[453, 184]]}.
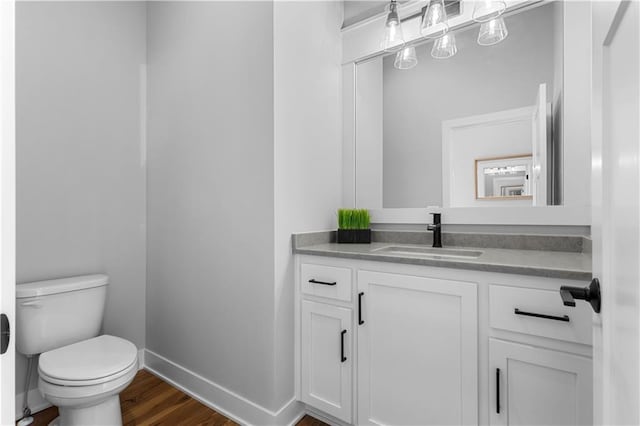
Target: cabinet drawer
{"points": [[326, 281], [511, 308]]}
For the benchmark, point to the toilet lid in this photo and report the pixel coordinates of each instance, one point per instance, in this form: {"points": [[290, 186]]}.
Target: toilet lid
{"points": [[100, 357]]}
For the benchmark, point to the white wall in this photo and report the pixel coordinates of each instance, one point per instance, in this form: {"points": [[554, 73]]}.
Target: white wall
{"points": [[80, 162], [576, 158], [210, 192], [308, 146], [239, 135]]}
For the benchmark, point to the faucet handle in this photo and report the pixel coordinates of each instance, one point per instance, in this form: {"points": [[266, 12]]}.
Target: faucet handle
{"points": [[437, 217]]}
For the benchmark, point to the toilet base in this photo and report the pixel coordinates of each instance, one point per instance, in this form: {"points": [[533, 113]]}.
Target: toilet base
{"points": [[105, 413]]}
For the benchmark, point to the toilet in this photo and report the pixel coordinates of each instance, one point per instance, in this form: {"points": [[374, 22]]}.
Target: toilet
{"points": [[80, 371]]}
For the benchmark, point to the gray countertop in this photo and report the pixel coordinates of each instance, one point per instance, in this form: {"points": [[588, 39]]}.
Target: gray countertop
{"points": [[551, 264]]}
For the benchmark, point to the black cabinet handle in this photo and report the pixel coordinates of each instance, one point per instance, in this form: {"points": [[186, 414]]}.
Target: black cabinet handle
{"points": [[564, 318], [360, 322], [498, 390], [342, 357], [314, 281]]}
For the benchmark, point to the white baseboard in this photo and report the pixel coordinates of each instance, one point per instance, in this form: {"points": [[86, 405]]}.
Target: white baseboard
{"points": [[36, 402], [219, 398], [140, 359], [330, 420]]}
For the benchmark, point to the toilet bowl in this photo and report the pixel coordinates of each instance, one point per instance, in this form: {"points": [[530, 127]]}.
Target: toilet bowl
{"points": [[79, 371], [84, 379]]}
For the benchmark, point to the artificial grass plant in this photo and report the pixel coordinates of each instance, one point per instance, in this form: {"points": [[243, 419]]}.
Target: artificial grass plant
{"points": [[353, 219]]}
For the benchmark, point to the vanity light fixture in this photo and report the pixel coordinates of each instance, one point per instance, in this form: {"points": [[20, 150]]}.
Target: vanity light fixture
{"points": [[393, 39], [444, 47], [486, 10], [406, 58], [492, 32], [434, 23]]}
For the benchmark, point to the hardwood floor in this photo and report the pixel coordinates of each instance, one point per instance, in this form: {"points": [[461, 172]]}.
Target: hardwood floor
{"points": [[151, 401]]}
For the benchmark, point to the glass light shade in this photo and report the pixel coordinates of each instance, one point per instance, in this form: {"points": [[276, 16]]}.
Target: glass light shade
{"points": [[444, 47], [406, 58], [393, 39], [492, 32], [434, 24], [486, 10]]}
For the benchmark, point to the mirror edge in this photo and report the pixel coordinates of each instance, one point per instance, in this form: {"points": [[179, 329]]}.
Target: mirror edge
{"points": [[358, 46], [520, 215]]}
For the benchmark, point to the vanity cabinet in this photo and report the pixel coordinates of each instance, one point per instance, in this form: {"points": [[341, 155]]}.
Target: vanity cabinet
{"points": [[417, 350], [327, 354], [381, 343], [536, 386]]}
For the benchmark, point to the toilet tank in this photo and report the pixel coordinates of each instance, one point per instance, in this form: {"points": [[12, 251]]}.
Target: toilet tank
{"points": [[55, 313]]}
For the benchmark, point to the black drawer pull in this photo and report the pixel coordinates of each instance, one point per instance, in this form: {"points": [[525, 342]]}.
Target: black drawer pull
{"points": [[360, 321], [564, 318], [498, 390], [314, 281], [342, 357]]}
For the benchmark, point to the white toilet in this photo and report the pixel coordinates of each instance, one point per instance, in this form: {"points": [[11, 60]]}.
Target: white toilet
{"points": [[80, 372]]}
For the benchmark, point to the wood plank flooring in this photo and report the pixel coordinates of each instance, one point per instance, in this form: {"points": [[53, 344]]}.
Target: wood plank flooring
{"points": [[151, 401]]}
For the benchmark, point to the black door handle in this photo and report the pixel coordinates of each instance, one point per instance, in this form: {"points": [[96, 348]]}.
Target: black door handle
{"points": [[360, 321], [342, 357], [314, 281], [498, 390], [5, 333], [589, 294], [564, 318]]}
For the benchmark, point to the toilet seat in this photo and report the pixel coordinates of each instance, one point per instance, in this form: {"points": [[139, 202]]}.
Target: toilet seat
{"points": [[90, 362]]}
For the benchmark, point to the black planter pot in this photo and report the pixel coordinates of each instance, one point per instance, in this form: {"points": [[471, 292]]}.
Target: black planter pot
{"points": [[354, 236]]}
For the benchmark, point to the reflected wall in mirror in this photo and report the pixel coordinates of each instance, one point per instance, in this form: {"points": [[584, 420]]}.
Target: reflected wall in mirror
{"points": [[419, 131], [504, 178]]}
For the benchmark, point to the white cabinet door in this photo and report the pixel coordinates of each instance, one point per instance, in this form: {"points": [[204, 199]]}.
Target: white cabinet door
{"points": [[534, 386], [615, 227], [327, 358], [417, 350]]}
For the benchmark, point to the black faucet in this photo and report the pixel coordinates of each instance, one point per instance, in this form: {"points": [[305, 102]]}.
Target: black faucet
{"points": [[436, 227]]}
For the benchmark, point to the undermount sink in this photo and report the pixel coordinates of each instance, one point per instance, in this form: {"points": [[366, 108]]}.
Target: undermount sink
{"points": [[437, 253]]}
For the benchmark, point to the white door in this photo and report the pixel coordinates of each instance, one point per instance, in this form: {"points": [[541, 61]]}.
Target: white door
{"points": [[616, 210], [417, 351], [539, 147], [327, 358], [7, 206], [534, 386]]}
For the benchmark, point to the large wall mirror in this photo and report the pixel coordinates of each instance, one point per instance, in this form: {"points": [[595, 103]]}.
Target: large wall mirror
{"points": [[485, 127]]}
